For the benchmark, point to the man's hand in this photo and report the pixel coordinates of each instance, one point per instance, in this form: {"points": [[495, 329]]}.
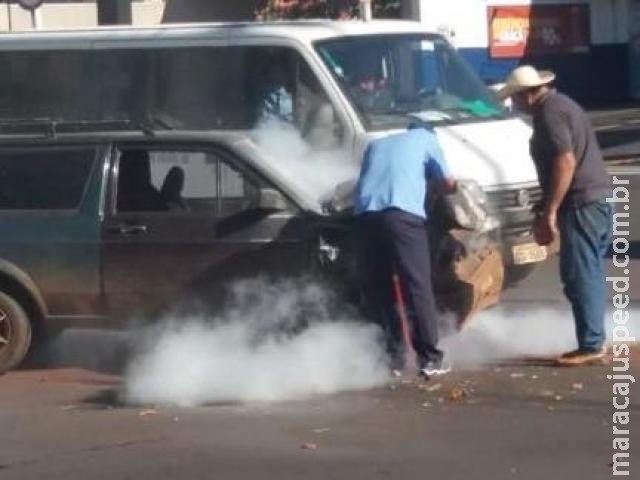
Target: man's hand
{"points": [[442, 186], [545, 228], [450, 185]]}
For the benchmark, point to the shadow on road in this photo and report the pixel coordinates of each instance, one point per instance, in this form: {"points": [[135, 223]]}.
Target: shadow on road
{"points": [[106, 352], [110, 398]]}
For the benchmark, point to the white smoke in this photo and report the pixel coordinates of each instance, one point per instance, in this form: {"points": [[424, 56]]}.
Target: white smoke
{"points": [[275, 342], [316, 171], [521, 331]]}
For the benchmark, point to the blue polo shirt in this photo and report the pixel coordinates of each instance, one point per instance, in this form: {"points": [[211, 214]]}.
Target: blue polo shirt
{"points": [[395, 170]]}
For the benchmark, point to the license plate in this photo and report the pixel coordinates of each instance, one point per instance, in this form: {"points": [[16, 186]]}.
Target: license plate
{"points": [[528, 253]]}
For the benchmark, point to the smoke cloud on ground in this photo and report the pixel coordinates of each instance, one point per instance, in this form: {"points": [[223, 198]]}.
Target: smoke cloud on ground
{"points": [[275, 342], [528, 330]]}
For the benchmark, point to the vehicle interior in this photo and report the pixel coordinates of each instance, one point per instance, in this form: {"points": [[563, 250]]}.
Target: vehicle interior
{"points": [[182, 181]]}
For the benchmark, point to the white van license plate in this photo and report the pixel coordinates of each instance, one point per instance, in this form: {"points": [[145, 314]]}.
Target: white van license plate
{"points": [[528, 253]]}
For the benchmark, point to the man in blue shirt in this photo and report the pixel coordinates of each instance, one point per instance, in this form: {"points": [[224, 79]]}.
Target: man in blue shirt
{"points": [[392, 237]]}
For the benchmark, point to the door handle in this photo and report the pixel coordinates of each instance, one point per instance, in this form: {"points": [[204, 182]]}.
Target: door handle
{"points": [[129, 229]]}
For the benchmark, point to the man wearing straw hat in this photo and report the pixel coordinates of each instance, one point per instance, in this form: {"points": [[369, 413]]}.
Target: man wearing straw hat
{"points": [[575, 185]]}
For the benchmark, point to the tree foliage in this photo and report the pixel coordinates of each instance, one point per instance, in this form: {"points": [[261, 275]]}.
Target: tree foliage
{"points": [[283, 9]]}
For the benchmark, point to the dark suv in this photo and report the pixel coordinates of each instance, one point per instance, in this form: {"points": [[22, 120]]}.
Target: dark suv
{"points": [[95, 227]]}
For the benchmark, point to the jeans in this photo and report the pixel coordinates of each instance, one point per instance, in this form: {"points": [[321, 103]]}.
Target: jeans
{"points": [[393, 240], [585, 235]]}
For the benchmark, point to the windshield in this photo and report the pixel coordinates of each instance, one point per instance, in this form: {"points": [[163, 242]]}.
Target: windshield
{"points": [[392, 78]]}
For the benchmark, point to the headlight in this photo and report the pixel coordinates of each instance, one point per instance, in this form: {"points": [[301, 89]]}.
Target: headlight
{"points": [[473, 189], [467, 207]]}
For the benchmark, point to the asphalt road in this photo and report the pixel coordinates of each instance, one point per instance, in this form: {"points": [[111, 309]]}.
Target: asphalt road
{"points": [[513, 417], [618, 131]]}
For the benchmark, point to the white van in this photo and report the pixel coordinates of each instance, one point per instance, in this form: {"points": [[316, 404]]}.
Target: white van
{"points": [[306, 95]]}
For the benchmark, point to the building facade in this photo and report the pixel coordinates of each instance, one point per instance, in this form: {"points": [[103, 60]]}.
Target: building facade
{"points": [[62, 14], [592, 45]]}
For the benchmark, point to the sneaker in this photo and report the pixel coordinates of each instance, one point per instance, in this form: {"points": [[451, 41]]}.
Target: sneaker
{"points": [[435, 368], [582, 356]]}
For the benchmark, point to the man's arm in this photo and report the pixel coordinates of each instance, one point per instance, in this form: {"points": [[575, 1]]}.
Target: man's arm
{"points": [[563, 166], [545, 227], [562, 170], [438, 172]]}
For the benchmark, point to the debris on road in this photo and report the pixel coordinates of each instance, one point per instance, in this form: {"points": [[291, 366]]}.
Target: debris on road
{"points": [[320, 431], [147, 412], [577, 386], [309, 446], [457, 394], [517, 375], [433, 388]]}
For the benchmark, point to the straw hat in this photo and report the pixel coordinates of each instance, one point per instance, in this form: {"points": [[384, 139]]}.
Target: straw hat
{"points": [[523, 78]]}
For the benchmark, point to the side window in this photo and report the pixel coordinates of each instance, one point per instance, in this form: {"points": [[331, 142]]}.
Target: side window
{"points": [[166, 181], [199, 87], [238, 191], [177, 181], [319, 122], [283, 88], [186, 180], [44, 179]]}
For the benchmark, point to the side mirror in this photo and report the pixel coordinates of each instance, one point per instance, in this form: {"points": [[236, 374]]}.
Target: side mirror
{"points": [[271, 199]]}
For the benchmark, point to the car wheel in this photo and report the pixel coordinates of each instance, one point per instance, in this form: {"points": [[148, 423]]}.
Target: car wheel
{"points": [[15, 333]]}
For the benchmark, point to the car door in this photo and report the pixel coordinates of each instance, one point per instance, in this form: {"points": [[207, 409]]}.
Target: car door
{"points": [[184, 221], [49, 218]]}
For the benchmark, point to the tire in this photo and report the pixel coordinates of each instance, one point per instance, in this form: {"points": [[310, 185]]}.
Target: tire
{"points": [[15, 333]]}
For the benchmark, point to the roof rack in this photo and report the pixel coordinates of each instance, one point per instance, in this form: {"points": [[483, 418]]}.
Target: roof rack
{"points": [[50, 128]]}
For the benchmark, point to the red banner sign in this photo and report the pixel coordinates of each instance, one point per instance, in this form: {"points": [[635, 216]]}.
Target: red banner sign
{"points": [[515, 31]]}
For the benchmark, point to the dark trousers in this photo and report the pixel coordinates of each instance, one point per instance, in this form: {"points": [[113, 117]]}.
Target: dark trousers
{"points": [[395, 240], [585, 235]]}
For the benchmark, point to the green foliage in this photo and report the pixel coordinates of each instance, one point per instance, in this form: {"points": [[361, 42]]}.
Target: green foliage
{"points": [[290, 9]]}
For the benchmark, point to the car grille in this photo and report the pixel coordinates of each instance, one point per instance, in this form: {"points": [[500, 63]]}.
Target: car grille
{"points": [[514, 199]]}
